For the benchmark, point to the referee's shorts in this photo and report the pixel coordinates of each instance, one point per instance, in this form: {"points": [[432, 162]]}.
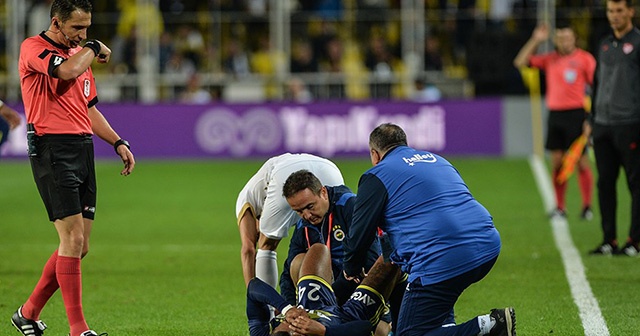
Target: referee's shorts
{"points": [[64, 171], [563, 127]]}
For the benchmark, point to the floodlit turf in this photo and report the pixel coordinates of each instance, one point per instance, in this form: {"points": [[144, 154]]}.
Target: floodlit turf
{"points": [[165, 260]]}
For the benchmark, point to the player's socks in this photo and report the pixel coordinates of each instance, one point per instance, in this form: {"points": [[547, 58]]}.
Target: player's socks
{"points": [[46, 286], [585, 181], [560, 191], [267, 267], [70, 280]]}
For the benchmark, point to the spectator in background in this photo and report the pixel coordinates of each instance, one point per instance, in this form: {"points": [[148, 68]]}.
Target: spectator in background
{"points": [[236, 61], [425, 91], [297, 91], [569, 72], [379, 61], [9, 120], [615, 119], [166, 50], [190, 42], [333, 64], [432, 53], [194, 93], [302, 58]]}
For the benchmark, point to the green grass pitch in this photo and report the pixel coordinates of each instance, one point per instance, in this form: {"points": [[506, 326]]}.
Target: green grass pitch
{"points": [[164, 256]]}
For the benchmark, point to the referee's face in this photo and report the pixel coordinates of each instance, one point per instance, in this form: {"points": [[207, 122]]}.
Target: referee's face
{"points": [[309, 206]]}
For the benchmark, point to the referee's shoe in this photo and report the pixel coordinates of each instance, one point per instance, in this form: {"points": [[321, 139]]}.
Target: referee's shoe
{"points": [[505, 322], [25, 326]]}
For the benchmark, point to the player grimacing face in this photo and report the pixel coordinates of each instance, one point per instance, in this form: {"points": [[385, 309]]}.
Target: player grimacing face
{"points": [[309, 206]]}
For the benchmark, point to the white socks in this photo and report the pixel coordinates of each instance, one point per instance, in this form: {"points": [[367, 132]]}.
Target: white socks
{"points": [[485, 323], [267, 267]]}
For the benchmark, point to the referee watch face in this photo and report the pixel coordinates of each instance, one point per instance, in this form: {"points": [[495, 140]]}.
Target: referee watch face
{"points": [[309, 206]]}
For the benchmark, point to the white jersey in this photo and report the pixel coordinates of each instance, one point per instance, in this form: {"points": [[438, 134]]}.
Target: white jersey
{"points": [[263, 192]]}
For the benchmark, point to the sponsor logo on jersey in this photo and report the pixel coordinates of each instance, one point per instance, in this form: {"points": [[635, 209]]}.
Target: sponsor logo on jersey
{"points": [[338, 234], [425, 158], [627, 48], [89, 209], [364, 298]]}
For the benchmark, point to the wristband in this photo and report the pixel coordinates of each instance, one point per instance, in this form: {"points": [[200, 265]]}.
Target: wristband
{"points": [[121, 142], [93, 45], [286, 309]]}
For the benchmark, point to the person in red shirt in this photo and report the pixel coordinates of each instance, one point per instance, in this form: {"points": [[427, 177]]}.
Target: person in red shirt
{"points": [[59, 94], [569, 72]]}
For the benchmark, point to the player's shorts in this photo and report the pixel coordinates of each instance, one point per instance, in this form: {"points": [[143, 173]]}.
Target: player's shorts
{"points": [[316, 295], [64, 172], [563, 127]]}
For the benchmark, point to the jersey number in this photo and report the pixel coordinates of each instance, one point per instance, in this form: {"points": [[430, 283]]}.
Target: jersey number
{"points": [[313, 292]]}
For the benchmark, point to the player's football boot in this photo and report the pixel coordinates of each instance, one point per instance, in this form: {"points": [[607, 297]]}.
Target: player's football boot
{"points": [[25, 326], [630, 250], [92, 333], [605, 249], [505, 322]]}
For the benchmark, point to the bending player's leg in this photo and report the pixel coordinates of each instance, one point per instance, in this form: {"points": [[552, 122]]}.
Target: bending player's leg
{"points": [[248, 228], [382, 277], [267, 260], [71, 232], [317, 261]]}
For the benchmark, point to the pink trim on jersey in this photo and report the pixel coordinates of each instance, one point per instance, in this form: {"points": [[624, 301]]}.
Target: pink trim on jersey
{"points": [[567, 77], [53, 105]]}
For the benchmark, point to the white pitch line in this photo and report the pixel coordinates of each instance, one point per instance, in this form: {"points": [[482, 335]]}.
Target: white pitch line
{"points": [[592, 320]]}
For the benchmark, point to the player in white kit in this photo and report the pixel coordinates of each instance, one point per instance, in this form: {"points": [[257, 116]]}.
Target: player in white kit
{"points": [[265, 217]]}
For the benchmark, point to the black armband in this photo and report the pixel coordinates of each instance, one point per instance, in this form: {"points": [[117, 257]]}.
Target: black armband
{"points": [[120, 142], [93, 45]]}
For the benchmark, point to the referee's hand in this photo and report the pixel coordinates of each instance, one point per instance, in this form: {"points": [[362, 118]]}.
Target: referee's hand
{"points": [[128, 160]]}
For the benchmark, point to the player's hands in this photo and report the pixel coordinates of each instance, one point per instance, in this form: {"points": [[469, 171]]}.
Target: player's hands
{"points": [[127, 158], [356, 278], [303, 325], [541, 33], [294, 313]]}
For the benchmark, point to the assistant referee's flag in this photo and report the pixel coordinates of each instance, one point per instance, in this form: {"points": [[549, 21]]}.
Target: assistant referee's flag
{"points": [[571, 158]]}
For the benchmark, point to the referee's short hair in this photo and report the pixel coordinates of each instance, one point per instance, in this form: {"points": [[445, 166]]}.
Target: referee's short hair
{"points": [[63, 8]]}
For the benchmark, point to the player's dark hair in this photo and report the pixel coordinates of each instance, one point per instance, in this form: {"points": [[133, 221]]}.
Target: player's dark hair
{"points": [[301, 180], [386, 137], [63, 8]]}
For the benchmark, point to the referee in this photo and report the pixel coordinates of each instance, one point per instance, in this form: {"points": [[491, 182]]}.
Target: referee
{"points": [[59, 94]]}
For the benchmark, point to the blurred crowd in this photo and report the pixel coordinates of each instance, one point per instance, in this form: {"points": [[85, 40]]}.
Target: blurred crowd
{"points": [[345, 41]]}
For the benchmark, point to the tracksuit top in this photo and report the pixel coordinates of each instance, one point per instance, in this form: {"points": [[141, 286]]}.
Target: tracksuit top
{"points": [[341, 202], [436, 228], [616, 90]]}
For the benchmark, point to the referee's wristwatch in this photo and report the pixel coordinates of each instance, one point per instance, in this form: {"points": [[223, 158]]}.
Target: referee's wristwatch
{"points": [[120, 142]]}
